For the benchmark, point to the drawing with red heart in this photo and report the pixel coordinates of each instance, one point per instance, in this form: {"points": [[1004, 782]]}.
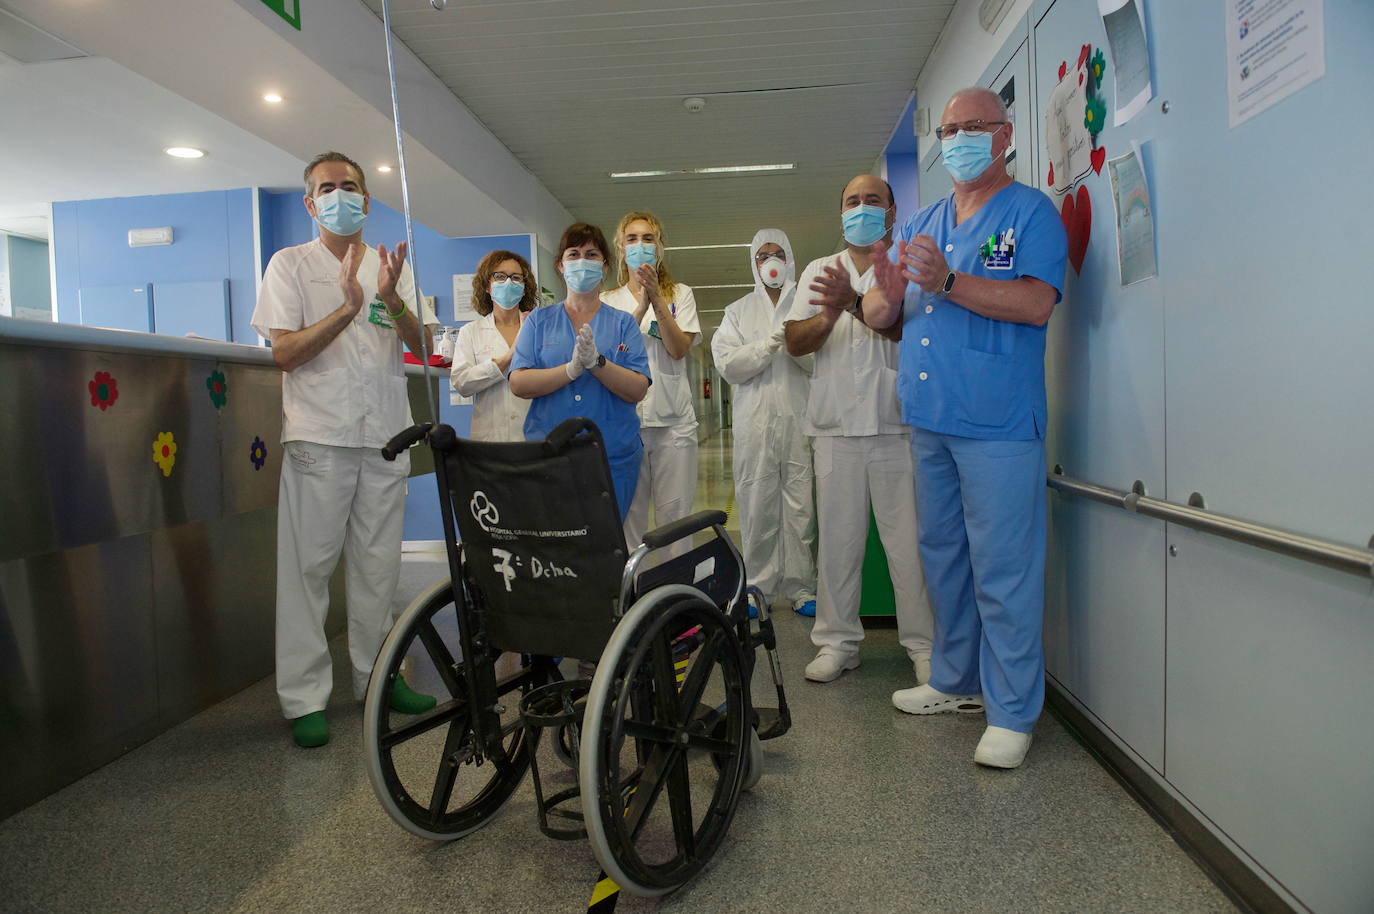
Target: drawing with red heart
{"points": [[1063, 68], [1077, 215], [1097, 157]]}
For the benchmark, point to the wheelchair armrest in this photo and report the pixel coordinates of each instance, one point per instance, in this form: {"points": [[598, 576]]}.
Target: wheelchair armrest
{"points": [[683, 528]]}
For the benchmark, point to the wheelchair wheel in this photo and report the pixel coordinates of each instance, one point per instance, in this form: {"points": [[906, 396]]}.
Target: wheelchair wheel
{"points": [[428, 770], [662, 762]]}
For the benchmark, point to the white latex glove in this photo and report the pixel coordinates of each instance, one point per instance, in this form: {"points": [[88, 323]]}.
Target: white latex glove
{"points": [[574, 368], [777, 338], [586, 353]]}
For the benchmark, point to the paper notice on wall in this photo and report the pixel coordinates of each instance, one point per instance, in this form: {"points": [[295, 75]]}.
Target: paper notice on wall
{"points": [[1273, 49], [1066, 135], [462, 298], [1125, 24], [1135, 221]]}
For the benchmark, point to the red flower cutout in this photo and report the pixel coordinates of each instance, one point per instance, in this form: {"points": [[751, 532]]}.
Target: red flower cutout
{"points": [[104, 390]]}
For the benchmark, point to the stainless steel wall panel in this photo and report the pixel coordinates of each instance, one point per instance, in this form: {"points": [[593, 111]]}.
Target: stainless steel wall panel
{"points": [[252, 411], [78, 664], [214, 607]]}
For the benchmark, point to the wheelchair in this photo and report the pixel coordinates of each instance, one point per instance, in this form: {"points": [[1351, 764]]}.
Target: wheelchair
{"points": [[663, 737]]}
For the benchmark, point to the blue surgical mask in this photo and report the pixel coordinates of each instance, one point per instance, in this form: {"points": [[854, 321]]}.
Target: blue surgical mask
{"points": [[864, 224], [582, 275], [507, 294], [340, 211], [636, 255], [967, 155]]}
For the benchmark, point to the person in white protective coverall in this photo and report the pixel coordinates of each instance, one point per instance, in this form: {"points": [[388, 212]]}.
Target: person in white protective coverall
{"points": [[772, 452], [862, 449], [667, 315], [337, 312]]}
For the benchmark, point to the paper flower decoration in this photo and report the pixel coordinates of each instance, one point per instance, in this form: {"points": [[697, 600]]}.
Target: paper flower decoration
{"points": [[1099, 68], [218, 387], [165, 452], [257, 453], [104, 390], [1095, 115]]}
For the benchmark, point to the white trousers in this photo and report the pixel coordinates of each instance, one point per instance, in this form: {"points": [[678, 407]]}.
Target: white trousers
{"points": [[774, 486], [332, 500], [851, 475], [667, 480]]}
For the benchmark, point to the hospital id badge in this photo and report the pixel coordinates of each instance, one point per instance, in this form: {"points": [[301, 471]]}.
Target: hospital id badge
{"points": [[998, 261], [653, 330], [377, 315]]}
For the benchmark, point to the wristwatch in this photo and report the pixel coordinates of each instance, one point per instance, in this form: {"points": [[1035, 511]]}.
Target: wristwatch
{"points": [[949, 283], [600, 361], [858, 306]]}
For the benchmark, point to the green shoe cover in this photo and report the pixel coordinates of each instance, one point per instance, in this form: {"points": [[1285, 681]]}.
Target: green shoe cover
{"points": [[408, 701], [311, 730]]}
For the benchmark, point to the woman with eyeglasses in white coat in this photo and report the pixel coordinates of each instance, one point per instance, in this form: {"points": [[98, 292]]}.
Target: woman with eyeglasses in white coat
{"points": [[503, 292]]}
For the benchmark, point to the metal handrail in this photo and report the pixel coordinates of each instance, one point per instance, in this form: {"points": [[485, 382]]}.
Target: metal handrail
{"points": [[1342, 557]]}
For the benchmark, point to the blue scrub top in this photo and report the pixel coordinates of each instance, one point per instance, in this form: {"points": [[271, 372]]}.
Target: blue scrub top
{"points": [[968, 375], [547, 341]]}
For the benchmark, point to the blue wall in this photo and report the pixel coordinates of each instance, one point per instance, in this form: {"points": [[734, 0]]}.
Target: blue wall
{"points": [[30, 291], [903, 168], [213, 240]]}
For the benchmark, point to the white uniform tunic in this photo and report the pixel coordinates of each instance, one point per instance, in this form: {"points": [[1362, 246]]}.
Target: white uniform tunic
{"points": [[861, 449], [497, 414], [668, 420], [772, 453], [337, 494]]}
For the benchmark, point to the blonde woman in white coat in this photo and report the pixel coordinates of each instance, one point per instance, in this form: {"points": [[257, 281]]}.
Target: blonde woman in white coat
{"points": [[667, 315], [503, 292], [772, 452]]}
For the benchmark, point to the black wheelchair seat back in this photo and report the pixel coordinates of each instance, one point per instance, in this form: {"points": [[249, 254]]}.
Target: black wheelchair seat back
{"points": [[542, 539]]}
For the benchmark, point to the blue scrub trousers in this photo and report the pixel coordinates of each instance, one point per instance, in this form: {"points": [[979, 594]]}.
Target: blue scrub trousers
{"points": [[625, 478], [982, 535]]}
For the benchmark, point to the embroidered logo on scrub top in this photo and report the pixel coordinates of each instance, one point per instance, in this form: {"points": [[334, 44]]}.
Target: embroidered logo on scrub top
{"points": [[999, 251]]}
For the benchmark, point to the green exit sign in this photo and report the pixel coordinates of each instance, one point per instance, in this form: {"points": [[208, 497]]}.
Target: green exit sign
{"points": [[290, 10]]}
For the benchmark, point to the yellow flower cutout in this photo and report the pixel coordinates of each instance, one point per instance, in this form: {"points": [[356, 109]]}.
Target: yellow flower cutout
{"points": [[165, 452]]}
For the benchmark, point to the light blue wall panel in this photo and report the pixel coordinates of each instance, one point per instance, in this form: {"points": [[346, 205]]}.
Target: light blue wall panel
{"points": [[30, 289], [117, 307], [199, 308]]}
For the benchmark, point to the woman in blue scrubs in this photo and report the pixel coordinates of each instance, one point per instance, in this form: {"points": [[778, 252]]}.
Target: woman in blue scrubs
{"points": [[582, 357]]}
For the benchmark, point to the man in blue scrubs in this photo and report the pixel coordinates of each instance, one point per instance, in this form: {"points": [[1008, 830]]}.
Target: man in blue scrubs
{"points": [[978, 275]]}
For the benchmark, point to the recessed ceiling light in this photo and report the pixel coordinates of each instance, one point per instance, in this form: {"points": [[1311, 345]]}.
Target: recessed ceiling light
{"points": [[272, 98], [384, 168], [712, 170], [184, 152]]}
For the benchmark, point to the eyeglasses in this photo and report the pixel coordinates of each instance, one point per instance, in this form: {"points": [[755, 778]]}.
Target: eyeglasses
{"points": [[948, 131], [761, 257], [502, 277]]}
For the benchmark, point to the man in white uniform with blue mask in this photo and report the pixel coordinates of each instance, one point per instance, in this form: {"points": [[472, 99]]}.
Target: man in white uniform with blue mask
{"points": [[862, 448], [772, 452], [337, 312]]}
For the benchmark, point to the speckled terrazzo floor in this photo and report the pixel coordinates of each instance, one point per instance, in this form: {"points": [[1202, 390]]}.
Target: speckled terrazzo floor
{"points": [[861, 808]]}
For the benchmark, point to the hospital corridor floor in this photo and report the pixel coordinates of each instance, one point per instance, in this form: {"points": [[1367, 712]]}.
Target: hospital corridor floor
{"points": [[860, 808]]}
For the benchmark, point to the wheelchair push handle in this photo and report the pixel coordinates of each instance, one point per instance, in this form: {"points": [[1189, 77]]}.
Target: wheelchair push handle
{"points": [[405, 440]]}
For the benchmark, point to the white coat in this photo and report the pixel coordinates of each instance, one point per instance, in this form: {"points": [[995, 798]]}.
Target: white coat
{"points": [[772, 453], [497, 414]]}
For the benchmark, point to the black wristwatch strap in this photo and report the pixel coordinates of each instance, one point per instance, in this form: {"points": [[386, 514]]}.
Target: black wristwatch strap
{"points": [[600, 360]]}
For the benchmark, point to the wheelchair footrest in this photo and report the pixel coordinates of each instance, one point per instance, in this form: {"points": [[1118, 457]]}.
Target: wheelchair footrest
{"points": [[558, 705], [771, 724]]}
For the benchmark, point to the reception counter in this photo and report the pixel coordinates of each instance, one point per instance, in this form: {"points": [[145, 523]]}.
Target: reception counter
{"points": [[137, 539]]}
